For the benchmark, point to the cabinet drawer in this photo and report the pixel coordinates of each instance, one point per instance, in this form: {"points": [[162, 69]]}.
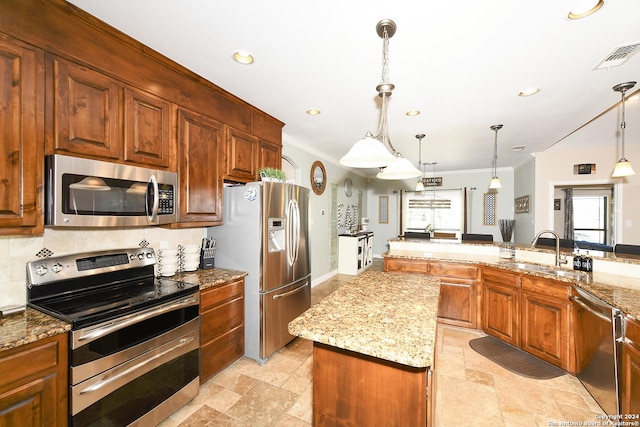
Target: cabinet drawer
{"points": [[222, 318], [41, 357], [406, 264], [459, 271], [220, 353], [502, 277], [219, 294], [550, 288]]}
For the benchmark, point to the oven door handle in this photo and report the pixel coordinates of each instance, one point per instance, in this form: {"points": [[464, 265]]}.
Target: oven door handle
{"points": [[97, 386], [92, 334], [599, 314]]}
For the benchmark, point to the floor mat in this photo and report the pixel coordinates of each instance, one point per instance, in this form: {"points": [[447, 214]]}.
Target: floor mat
{"points": [[513, 359]]}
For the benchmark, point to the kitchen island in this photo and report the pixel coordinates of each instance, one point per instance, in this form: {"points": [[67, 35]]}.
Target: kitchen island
{"points": [[373, 352]]}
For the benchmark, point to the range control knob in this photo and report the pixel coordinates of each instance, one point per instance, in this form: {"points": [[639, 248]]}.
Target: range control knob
{"points": [[132, 256], [140, 256], [149, 255], [57, 267], [41, 270]]}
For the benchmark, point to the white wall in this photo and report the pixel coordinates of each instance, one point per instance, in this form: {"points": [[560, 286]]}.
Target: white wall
{"points": [[555, 167], [524, 184]]}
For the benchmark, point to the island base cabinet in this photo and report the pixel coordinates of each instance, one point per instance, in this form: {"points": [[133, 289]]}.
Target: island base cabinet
{"points": [[630, 369], [351, 389]]}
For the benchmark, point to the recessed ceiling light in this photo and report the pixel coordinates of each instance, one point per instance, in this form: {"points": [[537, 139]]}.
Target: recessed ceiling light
{"points": [[313, 111], [412, 113], [243, 57], [518, 147], [583, 8], [529, 91]]}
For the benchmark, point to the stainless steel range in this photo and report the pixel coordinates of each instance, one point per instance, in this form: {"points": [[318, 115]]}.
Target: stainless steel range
{"points": [[134, 341]]}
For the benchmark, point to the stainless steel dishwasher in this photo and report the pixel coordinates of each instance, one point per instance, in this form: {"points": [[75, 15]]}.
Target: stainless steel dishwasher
{"points": [[598, 339]]}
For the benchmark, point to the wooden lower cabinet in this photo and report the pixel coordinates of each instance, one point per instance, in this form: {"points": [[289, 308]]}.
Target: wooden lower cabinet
{"points": [[351, 389], [458, 293], [630, 369], [406, 264], [34, 393], [500, 305], [545, 310], [222, 327]]}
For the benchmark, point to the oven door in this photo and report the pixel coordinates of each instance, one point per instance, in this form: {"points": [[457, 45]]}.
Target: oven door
{"points": [[136, 369], [91, 193]]}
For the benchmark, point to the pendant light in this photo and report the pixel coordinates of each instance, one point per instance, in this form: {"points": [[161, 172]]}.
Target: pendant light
{"points": [[623, 167], [376, 150], [495, 181], [420, 184]]}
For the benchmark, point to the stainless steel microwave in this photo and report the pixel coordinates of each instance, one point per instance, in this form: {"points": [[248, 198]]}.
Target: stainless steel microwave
{"points": [[90, 193]]}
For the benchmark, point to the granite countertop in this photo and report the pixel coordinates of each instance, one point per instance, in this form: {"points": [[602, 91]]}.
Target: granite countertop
{"points": [[209, 278], [29, 326], [387, 315], [622, 292]]}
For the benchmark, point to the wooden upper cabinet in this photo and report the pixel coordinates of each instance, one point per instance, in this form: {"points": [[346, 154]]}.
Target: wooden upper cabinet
{"points": [[241, 156], [200, 144], [21, 137], [83, 111], [147, 130], [269, 155]]}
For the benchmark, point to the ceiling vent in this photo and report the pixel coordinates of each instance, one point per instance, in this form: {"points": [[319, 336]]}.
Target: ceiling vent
{"points": [[618, 56]]}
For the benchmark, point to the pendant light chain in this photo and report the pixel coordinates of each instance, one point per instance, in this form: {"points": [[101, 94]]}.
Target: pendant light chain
{"points": [[623, 124], [385, 56]]}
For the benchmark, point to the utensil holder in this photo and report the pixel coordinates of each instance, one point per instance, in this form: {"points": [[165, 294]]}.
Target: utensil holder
{"points": [[207, 258]]}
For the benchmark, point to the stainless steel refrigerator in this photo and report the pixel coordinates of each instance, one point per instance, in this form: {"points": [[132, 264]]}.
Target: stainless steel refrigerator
{"points": [[265, 233]]}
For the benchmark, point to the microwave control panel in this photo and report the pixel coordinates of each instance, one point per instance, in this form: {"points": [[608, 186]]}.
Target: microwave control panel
{"points": [[165, 199]]}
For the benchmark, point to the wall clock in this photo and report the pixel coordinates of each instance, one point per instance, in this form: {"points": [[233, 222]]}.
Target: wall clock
{"points": [[348, 187]]}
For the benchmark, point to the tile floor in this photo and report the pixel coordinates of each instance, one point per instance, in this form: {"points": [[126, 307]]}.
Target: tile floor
{"points": [[471, 390]]}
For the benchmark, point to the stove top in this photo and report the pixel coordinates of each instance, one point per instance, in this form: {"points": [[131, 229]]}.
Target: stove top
{"points": [[91, 288]]}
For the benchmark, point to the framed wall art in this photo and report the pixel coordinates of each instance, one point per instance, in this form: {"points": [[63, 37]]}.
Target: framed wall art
{"points": [[489, 208]]}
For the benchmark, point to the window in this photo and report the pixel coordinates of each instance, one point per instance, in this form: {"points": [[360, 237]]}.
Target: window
{"points": [[439, 209], [590, 218]]}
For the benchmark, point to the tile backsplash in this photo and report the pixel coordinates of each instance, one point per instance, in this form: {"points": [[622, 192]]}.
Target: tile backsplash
{"points": [[16, 251]]}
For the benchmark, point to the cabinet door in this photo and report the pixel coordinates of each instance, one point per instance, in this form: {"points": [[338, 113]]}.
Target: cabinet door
{"points": [[241, 154], [21, 138], [269, 155], [147, 130], [630, 369], [545, 331], [500, 305], [200, 151], [457, 305], [458, 294], [33, 383], [85, 109]]}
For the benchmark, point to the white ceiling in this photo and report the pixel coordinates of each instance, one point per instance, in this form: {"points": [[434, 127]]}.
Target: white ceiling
{"points": [[462, 63]]}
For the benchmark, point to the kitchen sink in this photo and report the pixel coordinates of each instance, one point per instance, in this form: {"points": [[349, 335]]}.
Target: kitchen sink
{"points": [[529, 267], [548, 270]]}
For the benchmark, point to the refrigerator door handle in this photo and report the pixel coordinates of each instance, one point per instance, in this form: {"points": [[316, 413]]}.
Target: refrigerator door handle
{"points": [[290, 233], [291, 292]]}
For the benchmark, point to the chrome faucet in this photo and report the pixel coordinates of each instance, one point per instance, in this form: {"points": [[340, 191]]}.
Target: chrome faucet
{"points": [[560, 259]]}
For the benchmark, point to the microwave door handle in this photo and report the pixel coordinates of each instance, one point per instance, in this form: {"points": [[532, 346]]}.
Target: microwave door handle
{"points": [[153, 213]]}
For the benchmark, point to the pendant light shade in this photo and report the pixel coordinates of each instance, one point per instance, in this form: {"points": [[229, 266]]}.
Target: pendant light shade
{"points": [[623, 167], [370, 151], [495, 181], [400, 169]]}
